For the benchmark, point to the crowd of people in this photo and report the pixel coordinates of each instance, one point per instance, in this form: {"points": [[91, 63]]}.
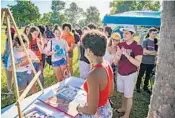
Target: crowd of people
{"points": [[105, 61]]}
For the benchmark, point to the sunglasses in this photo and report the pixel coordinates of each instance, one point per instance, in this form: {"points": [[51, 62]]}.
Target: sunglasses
{"points": [[115, 39]]}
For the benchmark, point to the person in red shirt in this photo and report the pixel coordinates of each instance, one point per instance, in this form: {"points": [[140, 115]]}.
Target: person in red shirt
{"points": [[36, 45], [128, 57], [99, 84], [69, 37]]}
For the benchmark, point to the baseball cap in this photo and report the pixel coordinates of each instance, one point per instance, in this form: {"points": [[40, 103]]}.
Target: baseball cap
{"points": [[129, 28]]}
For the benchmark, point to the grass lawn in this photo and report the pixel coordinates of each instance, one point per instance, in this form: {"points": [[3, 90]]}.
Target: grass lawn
{"points": [[140, 104]]}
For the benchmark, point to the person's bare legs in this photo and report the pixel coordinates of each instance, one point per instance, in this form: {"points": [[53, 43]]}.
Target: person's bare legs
{"points": [[34, 89], [123, 108], [58, 73], [9, 80], [70, 65], [129, 103], [63, 69]]}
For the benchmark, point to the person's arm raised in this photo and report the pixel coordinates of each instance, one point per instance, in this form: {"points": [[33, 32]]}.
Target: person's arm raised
{"points": [[117, 56], [135, 61]]}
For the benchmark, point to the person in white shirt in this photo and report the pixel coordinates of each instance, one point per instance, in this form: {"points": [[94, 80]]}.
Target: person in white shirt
{"points": [[23, 68], [84, 64], [111, 50], [112, 47], [57, 48]]}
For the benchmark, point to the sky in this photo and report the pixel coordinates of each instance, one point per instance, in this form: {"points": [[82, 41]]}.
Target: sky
{"points": [[45, 5]]}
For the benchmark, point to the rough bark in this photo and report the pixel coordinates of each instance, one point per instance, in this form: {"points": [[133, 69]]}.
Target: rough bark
{"points": [[163, 98]]}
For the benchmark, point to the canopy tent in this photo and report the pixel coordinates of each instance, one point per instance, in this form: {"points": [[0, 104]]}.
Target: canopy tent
{"points": [[142, 18]]}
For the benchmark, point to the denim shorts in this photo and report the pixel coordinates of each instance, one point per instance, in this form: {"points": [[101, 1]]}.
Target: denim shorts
{"points": [[24, 78], [60, 62], [39, 66]]}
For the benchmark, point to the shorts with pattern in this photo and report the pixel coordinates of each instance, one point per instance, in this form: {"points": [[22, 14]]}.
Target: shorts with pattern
{"points": [[102, 112]]}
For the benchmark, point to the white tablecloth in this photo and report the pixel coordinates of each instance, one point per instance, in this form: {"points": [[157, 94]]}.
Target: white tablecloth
{"points": [[32, 101]]}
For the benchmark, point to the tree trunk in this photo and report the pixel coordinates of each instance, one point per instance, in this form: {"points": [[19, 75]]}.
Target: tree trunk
{"points": [[163, 99]]}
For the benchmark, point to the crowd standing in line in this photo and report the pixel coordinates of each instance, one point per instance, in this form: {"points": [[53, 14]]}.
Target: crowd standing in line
{"points": [[105, 61]]}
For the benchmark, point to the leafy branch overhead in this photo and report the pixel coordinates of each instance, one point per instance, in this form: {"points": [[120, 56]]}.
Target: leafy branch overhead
{"points": [[25, 12], [122, 6]]}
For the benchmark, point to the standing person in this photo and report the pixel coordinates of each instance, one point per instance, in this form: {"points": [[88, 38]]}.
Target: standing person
{"points": [[23, 68], [84, 64], [36, 45], [92, 26], [68, 36], [108, 32], [26, 30], [78, 30], [99, 84], [110, 52], [112, 49], [5, 57], [57, 48], [128, 57], [45, 41], [101, 29], [76, 36], [49, 34], [148, 62]]}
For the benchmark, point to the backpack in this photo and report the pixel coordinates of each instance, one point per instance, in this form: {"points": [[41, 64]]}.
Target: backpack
{"points": [[49, 58]]}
